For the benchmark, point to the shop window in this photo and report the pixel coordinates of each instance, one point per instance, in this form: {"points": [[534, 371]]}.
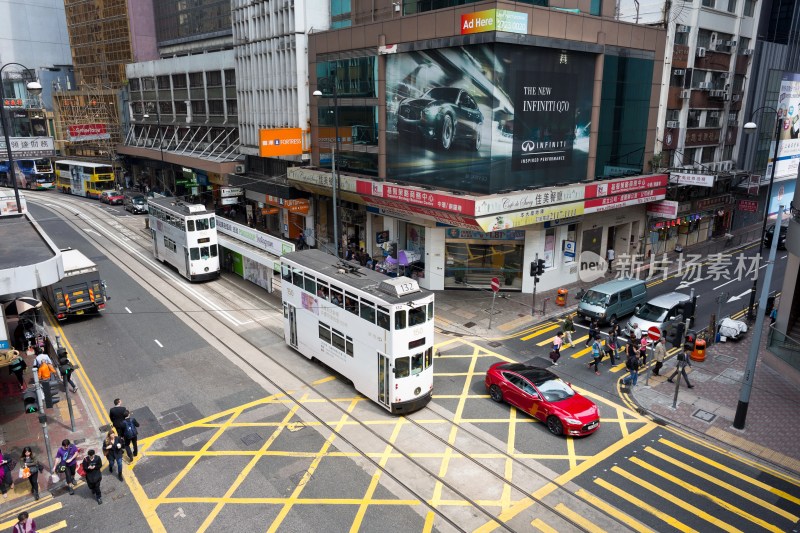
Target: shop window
{"points": [[549, 247]]}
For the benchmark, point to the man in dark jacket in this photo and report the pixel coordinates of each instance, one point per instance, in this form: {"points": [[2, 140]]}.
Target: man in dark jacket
{"points": [[93, 468], [117, 416]]}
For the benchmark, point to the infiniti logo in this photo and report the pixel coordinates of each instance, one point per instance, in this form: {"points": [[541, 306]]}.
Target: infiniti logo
{"points": [[530, 146]]}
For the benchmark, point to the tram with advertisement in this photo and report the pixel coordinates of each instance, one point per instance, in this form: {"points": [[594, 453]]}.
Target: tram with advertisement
{"points": [[83, 178], [374, 330], [38, 173], [184, 236]]}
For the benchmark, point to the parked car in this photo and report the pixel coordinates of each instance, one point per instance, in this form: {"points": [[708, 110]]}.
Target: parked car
{"points": [[112, 197], [611, 300], [446, 115], [545, 396], [663, 312], [781, 238], [136, 203]]}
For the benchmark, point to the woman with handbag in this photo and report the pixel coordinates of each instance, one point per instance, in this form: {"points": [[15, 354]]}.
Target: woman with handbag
{"points": [[67, 457], [29, 469], [555, 353], [6, 479], [113, 447]]}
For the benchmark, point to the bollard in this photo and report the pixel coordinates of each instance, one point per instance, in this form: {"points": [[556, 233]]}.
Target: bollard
{"points": [[544, 305]]}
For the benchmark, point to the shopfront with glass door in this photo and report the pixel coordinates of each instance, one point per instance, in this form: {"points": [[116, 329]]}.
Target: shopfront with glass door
{"points": [[473, 258]]}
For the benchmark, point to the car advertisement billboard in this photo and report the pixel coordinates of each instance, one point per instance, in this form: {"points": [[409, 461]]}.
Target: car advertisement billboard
{"points": [[789, 137], [489, 117]]}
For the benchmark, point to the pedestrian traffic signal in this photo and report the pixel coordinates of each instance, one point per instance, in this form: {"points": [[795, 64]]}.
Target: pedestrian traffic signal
{"points": [[29, 401], [539, 267], [51, 395]]}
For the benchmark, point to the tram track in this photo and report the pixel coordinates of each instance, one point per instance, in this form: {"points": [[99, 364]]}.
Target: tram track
{"points": [[119, 252]]}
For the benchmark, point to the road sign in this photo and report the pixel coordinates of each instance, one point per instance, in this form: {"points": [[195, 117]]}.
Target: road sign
{"points": [[654, 333], [495, 284]]}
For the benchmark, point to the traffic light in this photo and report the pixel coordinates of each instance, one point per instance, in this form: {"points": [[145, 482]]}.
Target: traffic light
{"points": [[29, 401], [539, 267], [51, 396]]}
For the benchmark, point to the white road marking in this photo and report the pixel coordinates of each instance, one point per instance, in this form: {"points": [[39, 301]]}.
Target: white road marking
{"points": [[718, 286], [159, 344], [784, 257], [739, 297], [128, 310]]}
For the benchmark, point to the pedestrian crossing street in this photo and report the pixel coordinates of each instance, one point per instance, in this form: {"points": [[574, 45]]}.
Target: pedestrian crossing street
{"points": [[43, 511]]}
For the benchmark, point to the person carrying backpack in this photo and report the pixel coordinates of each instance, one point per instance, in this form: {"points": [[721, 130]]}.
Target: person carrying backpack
{"points": [[597, 353], [17, 367], [131, 435]]}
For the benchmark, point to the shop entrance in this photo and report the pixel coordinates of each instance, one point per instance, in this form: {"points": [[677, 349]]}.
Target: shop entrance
{"points": [[473, 263]]}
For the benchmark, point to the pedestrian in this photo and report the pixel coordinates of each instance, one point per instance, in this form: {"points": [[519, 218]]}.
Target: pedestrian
{"points": [[637, 333], [597, 353], [131, 435], [555, 354], [17, 367], [28, 461], [67, 458], [659, 354], [643, 350], [773, 315], [611, 345], [26, 524], [569, 328], [6, 478], [113, 447], [632, 364], [67, 370], [42, 358], [301, 241], [610, 254], [680, 368], [93, 471], [117, 415], [593, 332]]}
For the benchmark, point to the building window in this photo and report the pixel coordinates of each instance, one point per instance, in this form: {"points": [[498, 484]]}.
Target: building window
{"points": [[749, 7], [353, 77], [690, 156], [694, 118], [148, 84], [727, 152], [340, 14], [744, 44], [163, 82], [215, 107], [180, 107], [596, 8], [195, 79], [357, 125], [179, 81], [712, 119], [703, 38], [708, 154], [230, 78], [682, 37], [731, 6], [698, 77], [708, 3], [134, 84], [165, 108], [198, 107], [233, 108], [214, 78]]}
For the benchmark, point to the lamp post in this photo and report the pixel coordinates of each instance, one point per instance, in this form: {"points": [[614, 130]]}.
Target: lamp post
{"points": [[334, 175], [749, 129], [35, 88]]}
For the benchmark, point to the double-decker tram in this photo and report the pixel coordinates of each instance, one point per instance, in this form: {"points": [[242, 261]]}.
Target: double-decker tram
{"points": [[184, 236], [374, 330], [82, 178]]}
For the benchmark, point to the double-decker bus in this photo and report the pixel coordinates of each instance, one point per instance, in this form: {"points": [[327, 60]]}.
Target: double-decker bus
{"points": [[38, 173], [184, 236], [83, 178], [374, 330]]}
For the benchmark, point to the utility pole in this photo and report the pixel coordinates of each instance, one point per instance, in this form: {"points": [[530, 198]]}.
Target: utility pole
{"points": [[43, 421]]}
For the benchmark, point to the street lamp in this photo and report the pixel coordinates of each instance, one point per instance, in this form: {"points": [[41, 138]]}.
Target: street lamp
{"points": [[749, 129], [35, 88], [334, 176]]}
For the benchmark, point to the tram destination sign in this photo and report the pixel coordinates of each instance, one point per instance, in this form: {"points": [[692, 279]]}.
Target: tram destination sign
{"points": [[29, 146]]}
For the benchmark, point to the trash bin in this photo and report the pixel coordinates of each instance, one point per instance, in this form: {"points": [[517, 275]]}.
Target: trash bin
{"points": [[561, 297], [699, 352]]}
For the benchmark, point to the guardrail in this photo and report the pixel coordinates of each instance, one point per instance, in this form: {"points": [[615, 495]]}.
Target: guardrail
{"points": [[783, 346]]}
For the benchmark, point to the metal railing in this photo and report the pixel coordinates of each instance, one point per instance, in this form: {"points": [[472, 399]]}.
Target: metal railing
{"points": [[784, 347]]}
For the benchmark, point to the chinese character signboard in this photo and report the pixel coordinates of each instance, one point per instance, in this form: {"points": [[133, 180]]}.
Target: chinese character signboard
{"points": [[701, 180], [749, 206], [30, 146], [663, 209], [530, 216], [616, 201], [416, 196]]}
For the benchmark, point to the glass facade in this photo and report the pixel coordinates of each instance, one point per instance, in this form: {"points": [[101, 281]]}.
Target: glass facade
{"points": [[340, 14], [182, 19], [624, 108], [353, 77], [419, 6]]}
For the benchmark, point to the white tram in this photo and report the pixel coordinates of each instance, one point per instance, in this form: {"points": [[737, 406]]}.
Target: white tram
{"points": [[185, 236], [374, 330]]}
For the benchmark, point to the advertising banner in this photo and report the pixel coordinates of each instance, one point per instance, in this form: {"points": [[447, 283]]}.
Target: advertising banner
{"points": [[789, 138], [605, 188], [247, 235], [616, 201], [530, 216], [748, 206], [663, 209], [280, 141], [782, 195], [404, 211], [298, 206], [29, 146], [87, 132], [488, 117], [494, 20], [416, 196]]}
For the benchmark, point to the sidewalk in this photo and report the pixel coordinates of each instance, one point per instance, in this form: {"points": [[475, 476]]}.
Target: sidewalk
{"points": [[19, 429], [770, 433]]}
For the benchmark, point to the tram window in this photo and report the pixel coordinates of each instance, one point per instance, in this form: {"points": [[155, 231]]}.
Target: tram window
{"points": [[190, 225], [286, 273], [351, 302], [348, 343], [383, 318], [213, 222], [416, 316], [322, 289], [336, 296], [401, 368], [205, 253], [297, 277], [311, 284], [416, 363], [214, 251], [194, 254], [324, 333], [368, 311], [430, 311], [201, 224], [428, 357], [400, 319], [337, 339]]}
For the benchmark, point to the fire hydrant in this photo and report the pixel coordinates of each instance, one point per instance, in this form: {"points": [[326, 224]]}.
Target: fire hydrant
{"points": [[561, 297], [699, 352]]}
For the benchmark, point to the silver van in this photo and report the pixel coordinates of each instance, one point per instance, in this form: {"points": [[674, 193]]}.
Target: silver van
{"points": [[662, 312], [610, 300]]}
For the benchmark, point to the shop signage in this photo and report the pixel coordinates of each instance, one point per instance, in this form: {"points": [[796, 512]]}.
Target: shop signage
{"points": [[527, 200], [13, 102], [711, 203], [298, 206], [233, 200], [699, 137], [404, 210], [416, 196], [504, 235], [494, 20], [530, 216], [663, 209], [749, 206], [227, 192], [569, 248], [596, 205], [29, 146], [561, 222], [320, 178], [606, 188], [87, 132], [260, 240], [280, 141], [700, 180]]}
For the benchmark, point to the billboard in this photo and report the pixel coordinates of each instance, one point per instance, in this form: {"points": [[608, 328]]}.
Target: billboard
{"points": [[789, 137], [87, 132], [281, 141]]}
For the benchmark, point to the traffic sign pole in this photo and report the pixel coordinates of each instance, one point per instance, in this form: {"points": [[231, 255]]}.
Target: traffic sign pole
{"points": [[655, 334], [495, 289]]}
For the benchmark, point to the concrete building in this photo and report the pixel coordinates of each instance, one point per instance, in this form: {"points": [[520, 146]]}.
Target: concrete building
{"points": [[471, 141], [34, 33]]}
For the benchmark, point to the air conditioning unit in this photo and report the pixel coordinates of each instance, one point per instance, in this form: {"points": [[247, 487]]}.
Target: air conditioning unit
{"points": [[731, 117], [673, 124], [238, 169], [724, 75], [730, 43], [747, 52], [721, 46], [713, 166], [679, 72], [701, 52], [716, 93], [736, 97], [704, 85], [727, 165], [682, 28], [686, 94], [713, 114]]}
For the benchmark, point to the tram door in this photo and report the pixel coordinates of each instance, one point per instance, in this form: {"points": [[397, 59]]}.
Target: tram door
{"points": [[292, 317], [384, 367]]}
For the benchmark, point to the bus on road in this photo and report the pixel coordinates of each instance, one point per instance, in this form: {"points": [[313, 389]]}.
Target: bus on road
{"points": [[82, 178], [374, 330], [38, 173], [184, 236]]}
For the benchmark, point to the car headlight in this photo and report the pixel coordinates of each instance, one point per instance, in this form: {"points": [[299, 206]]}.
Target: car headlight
{"points": [[573, 421]]}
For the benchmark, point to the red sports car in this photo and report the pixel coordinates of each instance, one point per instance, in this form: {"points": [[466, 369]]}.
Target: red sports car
{"points": [[545, 396]]}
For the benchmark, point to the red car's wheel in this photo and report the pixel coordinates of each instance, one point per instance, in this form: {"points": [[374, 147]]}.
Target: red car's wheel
{"points": [[495, 393], [554, 425]]}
